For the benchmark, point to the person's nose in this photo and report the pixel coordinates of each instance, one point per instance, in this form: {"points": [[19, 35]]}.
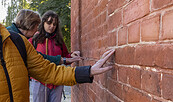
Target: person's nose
{"points": [[51, 25]]}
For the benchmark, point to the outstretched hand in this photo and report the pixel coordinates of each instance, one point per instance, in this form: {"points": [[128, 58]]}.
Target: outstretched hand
{"points": [[97, 67], [73, 59], [75, 54]]}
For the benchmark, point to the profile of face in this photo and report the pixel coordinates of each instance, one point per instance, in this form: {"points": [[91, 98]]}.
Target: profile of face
{"points": [[50, 25], [30, 33]]}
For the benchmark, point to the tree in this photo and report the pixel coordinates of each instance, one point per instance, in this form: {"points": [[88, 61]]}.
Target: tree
{"points": [[13, 7], [61, 7]]}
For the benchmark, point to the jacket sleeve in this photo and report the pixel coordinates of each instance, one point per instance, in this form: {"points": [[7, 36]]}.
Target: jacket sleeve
{"points": [[82, 74], [46, 72], [55, 59]]}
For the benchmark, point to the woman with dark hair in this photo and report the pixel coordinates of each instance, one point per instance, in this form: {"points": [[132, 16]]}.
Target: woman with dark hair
{"points": [[50, 29], [26, 23], [14, 73]]}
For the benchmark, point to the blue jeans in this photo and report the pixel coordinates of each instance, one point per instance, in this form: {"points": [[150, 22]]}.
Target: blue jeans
{"points": [[38, 91]]}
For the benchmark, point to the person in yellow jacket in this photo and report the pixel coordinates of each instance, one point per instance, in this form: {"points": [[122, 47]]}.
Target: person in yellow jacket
{"points": [[14, 79]]}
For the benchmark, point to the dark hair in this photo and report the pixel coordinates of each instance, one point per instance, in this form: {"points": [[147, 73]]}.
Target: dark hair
{"points": [[39, 38]]}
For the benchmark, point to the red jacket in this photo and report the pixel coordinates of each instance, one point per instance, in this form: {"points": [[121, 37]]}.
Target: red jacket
{"points": [[53, 50]]}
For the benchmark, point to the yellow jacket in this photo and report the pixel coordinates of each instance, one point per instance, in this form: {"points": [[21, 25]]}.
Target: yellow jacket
{"points": [[37, 67]]}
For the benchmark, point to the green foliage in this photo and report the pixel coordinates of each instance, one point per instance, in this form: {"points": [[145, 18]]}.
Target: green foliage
{"points": [[61, 7], [13, 7]]}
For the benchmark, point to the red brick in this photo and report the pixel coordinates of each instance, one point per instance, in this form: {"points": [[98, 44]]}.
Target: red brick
{"points": [[97, 21], [122, 36], [114, 4], [132, 95], [102, 5], [100, 43], [92, 86], [154, 100], [98, 33], [113, 73], [134, 33], [146, 54], [125, 56], [157, 4], [148, 34], [92, 95], [103, 17], [115, 20], [106, 41], [112, 39], [167, 28], [165, 56], [99, 92], [105, 29], [98, 100], [103, 78], [151, 82], [115, 88], [167, 88], [90, 27], [122, 74], [95, 2], [136, 9], [96, 11], [134, 77], [110, 98]]}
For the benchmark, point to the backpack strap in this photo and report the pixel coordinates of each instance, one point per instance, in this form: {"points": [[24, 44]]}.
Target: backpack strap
{"points": [[34, 43], [5, 70], [18, 41]]}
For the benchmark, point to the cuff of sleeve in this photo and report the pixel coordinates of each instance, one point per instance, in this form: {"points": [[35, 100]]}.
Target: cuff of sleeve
{"points": [[58, 59], [82, 74]]}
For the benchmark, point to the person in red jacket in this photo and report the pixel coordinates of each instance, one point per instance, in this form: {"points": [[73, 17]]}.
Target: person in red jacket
{"points": [[49, 29], [14, 73]]}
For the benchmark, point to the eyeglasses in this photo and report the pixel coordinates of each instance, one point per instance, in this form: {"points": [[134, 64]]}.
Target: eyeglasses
{"points": [[50, 22]]}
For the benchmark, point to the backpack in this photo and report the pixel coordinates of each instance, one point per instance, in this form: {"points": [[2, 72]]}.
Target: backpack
{"points": [[19, 43]]}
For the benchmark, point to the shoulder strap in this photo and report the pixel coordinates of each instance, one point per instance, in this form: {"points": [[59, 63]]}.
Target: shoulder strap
{"points": [[34, 43], [18, 41], [5, 70]]}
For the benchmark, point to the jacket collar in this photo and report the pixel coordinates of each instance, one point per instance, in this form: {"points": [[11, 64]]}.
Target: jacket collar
{"points": [[4, 32], [15, 29]]}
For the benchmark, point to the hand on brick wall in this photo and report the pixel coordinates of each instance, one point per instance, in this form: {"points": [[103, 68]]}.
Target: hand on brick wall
{"points": [[75, 54], [97, 68]]}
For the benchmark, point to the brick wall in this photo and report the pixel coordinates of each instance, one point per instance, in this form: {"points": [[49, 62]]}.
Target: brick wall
{"points": [[141, 31]]}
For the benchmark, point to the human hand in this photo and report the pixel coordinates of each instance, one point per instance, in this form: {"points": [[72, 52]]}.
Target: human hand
{"points": [[96, 68], [74, 59], [71, 60], [75, 54]]}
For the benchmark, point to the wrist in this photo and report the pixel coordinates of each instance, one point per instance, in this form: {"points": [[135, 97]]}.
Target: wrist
{"points": [[64, 60]]}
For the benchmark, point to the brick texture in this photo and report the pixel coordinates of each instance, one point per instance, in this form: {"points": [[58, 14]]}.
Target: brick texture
{"points": [[115, 20], [115, 4], [125, 56], [141, 32], [134, 33], [150, 29], [135, 10], [167, 86], [167, 28], [151, 82], [122, 36], [132, 95], [158, 4], [134, 76]]}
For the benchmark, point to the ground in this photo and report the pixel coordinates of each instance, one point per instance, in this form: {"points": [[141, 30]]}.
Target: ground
{"points": [[67, 90]]}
